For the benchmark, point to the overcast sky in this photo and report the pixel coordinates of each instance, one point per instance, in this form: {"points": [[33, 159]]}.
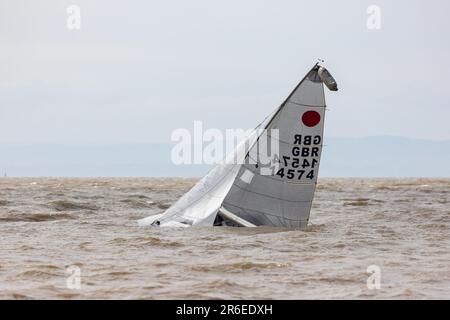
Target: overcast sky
{"points": [[136, 70]]}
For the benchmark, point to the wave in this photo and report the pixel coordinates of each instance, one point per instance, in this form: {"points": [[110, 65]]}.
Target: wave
{"points": [[138, 204], [357, 202], [19, 296], [65, 205], [39, 274], [142, 242], [35, 217], [239, 266], [4, 203], [163, 206]]}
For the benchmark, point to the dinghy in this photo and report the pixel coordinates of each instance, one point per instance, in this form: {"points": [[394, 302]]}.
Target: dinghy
{"points": [[238, 192]]}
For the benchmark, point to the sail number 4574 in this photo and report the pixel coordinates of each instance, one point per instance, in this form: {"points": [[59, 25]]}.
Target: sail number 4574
{"points": [[291, 173]]}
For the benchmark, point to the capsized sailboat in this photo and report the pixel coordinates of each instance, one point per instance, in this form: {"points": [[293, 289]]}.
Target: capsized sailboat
{"points": [[238, 192]]}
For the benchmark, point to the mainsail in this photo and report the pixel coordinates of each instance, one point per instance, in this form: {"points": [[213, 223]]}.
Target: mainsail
{"points": [[253, 189]]}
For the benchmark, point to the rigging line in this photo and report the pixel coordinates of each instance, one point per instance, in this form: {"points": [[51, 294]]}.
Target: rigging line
{"points": [[306, 105]]}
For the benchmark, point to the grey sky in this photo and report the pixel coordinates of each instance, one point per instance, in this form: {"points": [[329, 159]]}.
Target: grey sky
{"points": [[139, 69]]}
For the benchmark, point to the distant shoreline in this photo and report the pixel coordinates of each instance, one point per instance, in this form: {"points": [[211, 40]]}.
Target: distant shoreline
{"points": [[341, 157]]}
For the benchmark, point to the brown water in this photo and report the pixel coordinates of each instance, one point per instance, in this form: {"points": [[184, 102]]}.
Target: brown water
{"points": [[49, 225]]}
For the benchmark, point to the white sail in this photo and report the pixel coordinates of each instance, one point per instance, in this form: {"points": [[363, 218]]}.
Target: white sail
{"points": [[243, 191], [284, 198], [199, 206]]}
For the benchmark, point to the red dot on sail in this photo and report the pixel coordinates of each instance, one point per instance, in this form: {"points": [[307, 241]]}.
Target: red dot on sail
{"points": [[311, 118]]}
